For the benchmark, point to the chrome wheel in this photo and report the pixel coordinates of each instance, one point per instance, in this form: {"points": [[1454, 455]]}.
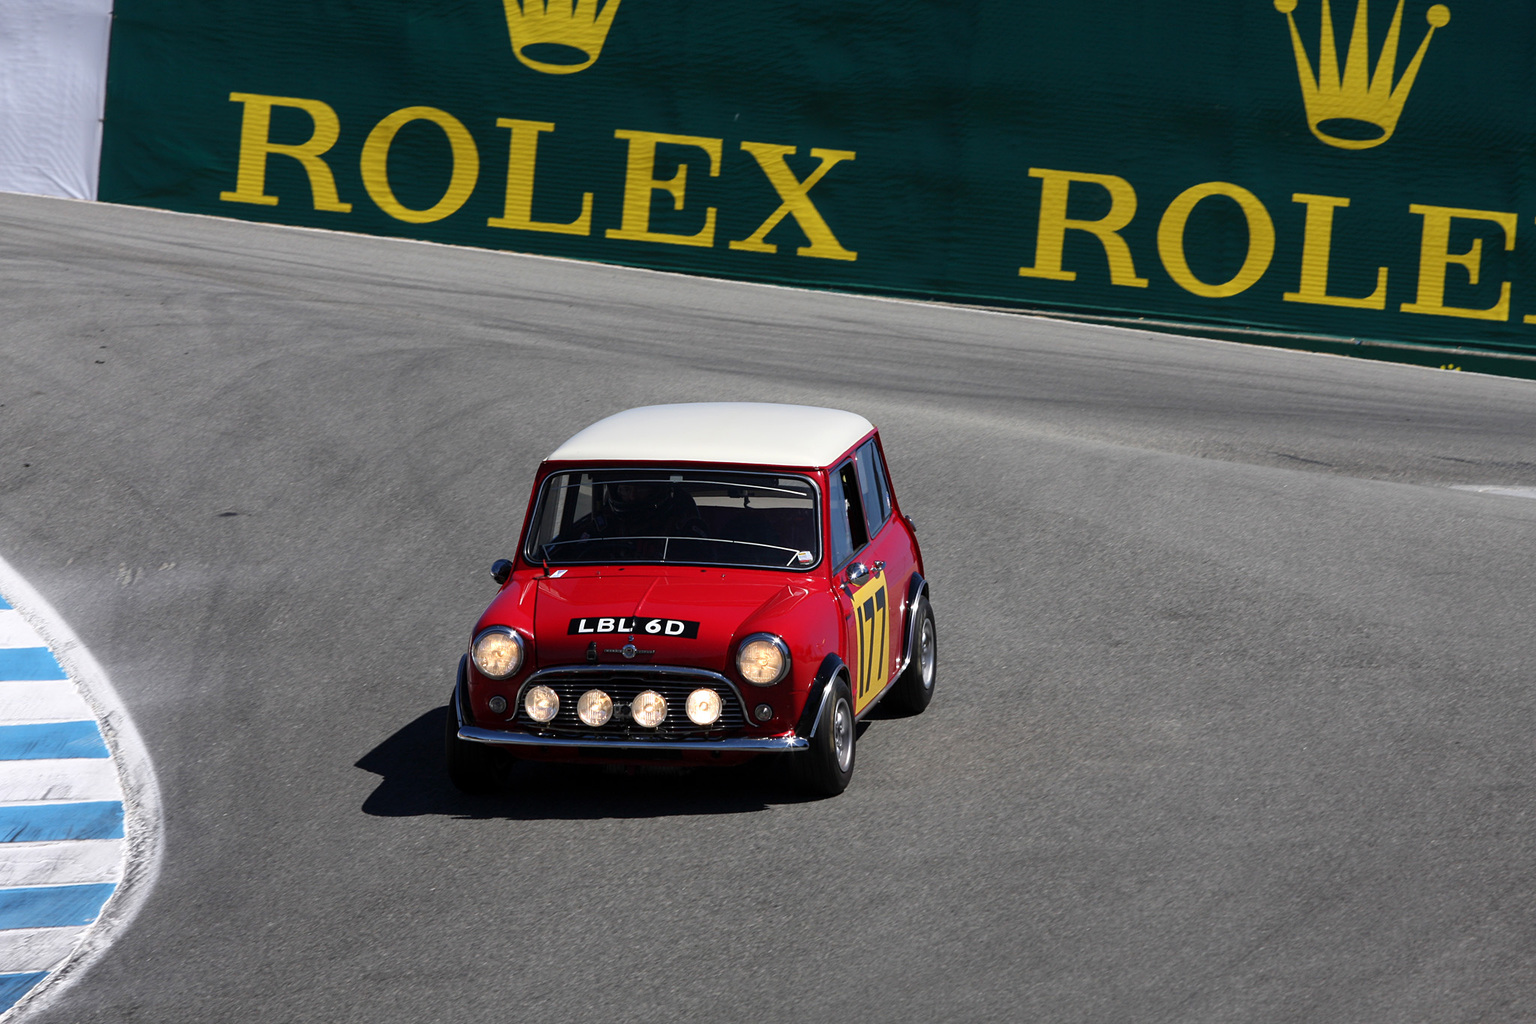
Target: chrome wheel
{"points": [[914, 689], [927, 654], [826, 765], [842, 735]]}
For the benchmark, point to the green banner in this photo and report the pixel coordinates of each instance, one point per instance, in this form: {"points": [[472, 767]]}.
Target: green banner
{"points": [[1359, 171]]}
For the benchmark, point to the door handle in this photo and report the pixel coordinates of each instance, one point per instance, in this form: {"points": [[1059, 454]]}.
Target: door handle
{"points": [[858, 572]]}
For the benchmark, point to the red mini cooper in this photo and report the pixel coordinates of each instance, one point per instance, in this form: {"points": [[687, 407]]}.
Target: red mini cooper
{"points": [[700, 584]]}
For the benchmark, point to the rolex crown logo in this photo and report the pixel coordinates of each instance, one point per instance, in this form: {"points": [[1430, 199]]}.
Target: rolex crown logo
{"points": [[1360, 109], [559, 37]]}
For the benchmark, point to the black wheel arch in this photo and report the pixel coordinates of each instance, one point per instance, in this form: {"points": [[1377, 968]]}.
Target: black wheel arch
{"points": [[832, 667], [461, 704], [917, 591]]}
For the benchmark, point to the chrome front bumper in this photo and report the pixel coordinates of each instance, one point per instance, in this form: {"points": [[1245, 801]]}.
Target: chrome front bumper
{"points": [[743, 744]]}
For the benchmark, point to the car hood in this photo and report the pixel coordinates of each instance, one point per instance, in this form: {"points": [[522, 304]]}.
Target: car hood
{"points": [[674, 619]]}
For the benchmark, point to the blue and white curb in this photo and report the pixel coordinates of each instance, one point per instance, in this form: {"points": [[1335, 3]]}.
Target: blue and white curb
{"points": [[79, 806]]}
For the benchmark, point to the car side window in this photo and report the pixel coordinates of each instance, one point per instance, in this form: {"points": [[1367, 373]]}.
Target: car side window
{"points": [[846, 510], [885, 481], [872, 487]]}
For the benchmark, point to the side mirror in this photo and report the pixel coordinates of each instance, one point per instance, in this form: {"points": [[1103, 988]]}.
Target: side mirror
{"points": [[501, 571]]}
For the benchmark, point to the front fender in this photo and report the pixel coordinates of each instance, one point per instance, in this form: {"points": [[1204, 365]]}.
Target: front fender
{"points": [[461, 694], [820, 692], [917, 589]]}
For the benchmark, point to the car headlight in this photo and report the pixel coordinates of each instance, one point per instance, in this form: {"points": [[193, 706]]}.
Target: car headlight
{"points": [[498, 652], [763, 659]]}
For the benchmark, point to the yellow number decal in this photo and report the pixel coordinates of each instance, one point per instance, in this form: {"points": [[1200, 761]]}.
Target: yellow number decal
{"points": [[874, 654]]}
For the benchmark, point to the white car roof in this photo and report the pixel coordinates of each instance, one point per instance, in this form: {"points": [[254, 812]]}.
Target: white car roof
{"points": [[754, 433]]}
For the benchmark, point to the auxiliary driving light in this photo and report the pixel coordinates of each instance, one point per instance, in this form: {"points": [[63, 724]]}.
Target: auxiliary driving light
{"points": [[704, 707], [649, 709], [594, 708], [541, 703]]}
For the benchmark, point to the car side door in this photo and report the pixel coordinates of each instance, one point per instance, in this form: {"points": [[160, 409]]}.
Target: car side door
{"points": [[869, 551], [861, 593], [891, 551]]}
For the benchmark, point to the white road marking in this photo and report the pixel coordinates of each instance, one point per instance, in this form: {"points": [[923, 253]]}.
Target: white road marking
{"points": [[48, 798], [36, 949], [1510, 492], [71, 779], [42, 700], [14, 631], [73, 862]]}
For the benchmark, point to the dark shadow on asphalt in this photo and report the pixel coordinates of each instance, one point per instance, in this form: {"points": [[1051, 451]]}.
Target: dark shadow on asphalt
{"points": [[413, 782], [882, 712]]}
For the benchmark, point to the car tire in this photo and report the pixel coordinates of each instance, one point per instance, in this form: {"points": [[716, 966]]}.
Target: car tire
{"points": [[472, 767], [914, 689], [826, 767]]}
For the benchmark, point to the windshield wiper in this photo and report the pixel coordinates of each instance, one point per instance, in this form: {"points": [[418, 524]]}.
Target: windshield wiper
{"points": [[666, 545]]}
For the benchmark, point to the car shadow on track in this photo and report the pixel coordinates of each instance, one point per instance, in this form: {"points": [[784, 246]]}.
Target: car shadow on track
{"points": [[413, 782]]}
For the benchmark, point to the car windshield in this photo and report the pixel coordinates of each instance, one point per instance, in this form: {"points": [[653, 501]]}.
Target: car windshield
{"points": [[686, 517]]}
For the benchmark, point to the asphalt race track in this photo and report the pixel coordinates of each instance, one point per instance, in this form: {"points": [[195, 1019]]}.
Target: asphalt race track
{"points": [[1235, 708]]}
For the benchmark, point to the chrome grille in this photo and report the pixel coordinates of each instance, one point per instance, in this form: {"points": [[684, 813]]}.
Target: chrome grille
{"points": [[623, 687]]}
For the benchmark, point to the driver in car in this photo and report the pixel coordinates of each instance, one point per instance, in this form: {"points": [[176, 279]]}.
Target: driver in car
{"points": [[640, 508]]}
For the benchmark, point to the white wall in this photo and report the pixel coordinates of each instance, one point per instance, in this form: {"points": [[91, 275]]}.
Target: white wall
{"points": [[53, 78]]}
